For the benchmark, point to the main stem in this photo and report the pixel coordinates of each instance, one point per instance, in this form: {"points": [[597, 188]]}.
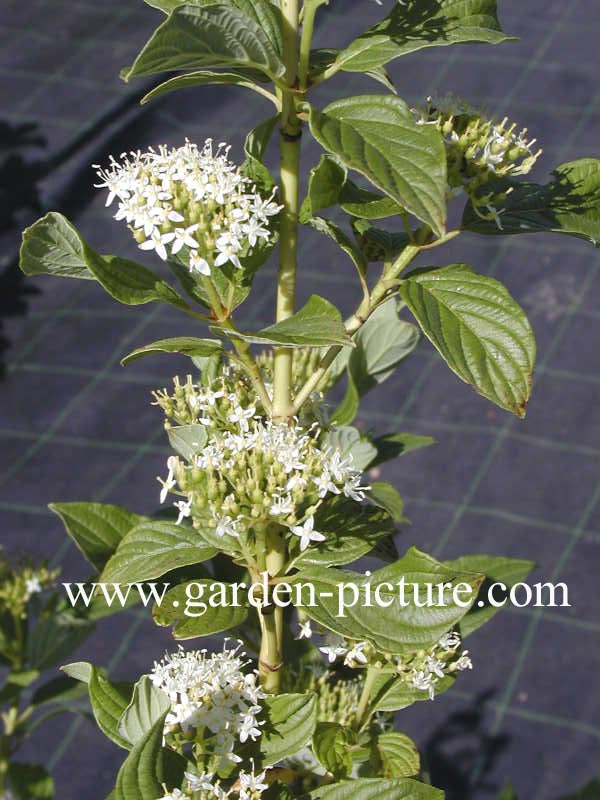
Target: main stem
{"points": [[290, 169], [271, 616]]}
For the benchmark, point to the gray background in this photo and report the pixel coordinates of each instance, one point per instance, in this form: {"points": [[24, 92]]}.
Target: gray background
{"points": [[74, 425]]}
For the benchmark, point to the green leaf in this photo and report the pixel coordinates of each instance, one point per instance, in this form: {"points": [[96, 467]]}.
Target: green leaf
{"points": [[418, 25], [148, 766], [322, 59], [386, 496], [347, 409], [317, 323], [508, 793], [207, 77], [351, 531], [188, 608], [325, 183], [255, 148], [393, 445], [239, 34], [30, 782], [187, 440], [378, 244], [391, 693], [148, 705], [497, 569], [364, 204], [53, 638], [349, 441], [332, 746], [344, 242], [397, 755], [377, 789], [96, 528], [290, 723], [381, 344], [378, 136], [153, 548], [15, 683], [186, 345], [569, 204], [396, 624], [52, 246], [478, 329], [108, 700]]}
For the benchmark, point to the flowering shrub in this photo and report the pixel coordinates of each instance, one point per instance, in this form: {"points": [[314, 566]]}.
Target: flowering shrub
{"points": [[267, 489]]}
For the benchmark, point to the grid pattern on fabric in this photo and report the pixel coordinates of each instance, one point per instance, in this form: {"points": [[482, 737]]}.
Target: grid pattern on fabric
{"points": [[75, 425]]}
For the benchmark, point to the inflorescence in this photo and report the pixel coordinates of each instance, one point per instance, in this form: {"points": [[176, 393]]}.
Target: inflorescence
{"points": [[188, 200]]}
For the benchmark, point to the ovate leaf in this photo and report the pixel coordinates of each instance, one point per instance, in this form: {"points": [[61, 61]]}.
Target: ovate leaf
{"points": [[219, 35], [52, 246], [397, 755], [569, 204], [497, 569], [325, 183], [317, 323], [153, 548], [200, 608], [377, 789], [186, 345], [394, 623], [478, 329], [148, 766], [332, 746], [207, 77], [378, 136], [290, 724], [96, 528], [187, 440], [351, 530], [147, 706], [392, 445], [416, 25]]}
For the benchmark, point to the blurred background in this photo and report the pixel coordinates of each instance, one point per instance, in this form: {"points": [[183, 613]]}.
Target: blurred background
{"points": [[74, 425]]}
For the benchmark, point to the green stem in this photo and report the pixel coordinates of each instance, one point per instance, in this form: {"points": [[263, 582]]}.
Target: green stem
{"points": [[353, 323], [270, 659], [290, 168], [309, 11], [242, 348], [363, 712]]}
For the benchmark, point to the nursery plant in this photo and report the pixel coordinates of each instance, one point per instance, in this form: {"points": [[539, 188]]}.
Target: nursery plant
{"points": [[269, 484]]}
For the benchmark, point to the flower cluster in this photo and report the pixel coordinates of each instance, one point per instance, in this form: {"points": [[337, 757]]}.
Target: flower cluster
{"points": [[479, 151], [254, 471], [18, 584], [443, 659], [204, 786], [212, 698], [191, 198]]}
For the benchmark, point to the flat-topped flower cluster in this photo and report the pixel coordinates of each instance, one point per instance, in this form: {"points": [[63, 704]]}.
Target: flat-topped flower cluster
{"points": [[212, 698], [254, 471], [188, 200]]}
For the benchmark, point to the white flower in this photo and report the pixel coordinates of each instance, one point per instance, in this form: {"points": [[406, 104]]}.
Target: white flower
{"points": [[185, 510], [305, 631], [212, 693], [356, 655], [174, 794], [307, 533], [226, 527], [170, 481], [425, 681], [190, 197], [183, 236], [335, 645], [251, 785], [449, 641], [464, 662], [32, 586]]}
